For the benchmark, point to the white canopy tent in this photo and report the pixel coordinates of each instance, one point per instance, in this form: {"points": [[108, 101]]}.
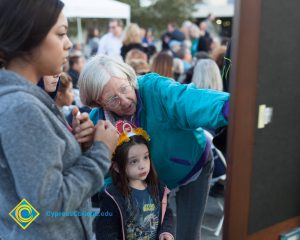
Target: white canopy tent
{"points": [[95, 9], [218, 10]]}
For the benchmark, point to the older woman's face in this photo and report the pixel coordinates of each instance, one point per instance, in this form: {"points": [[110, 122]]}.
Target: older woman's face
{"points": [[119, 97]]}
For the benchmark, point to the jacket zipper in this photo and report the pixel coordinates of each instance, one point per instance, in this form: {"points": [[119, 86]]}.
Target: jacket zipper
{"points": [[122, 220], [83, 226]]}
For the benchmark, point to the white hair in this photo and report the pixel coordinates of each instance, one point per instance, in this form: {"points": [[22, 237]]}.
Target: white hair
{"points": [[194, 31], [96, 74], [178, 66], [207, 75]]}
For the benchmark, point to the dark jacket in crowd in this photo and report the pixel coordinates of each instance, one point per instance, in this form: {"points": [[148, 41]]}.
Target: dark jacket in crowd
{"points": [[204, 43], [167, 37], [74, 75]]}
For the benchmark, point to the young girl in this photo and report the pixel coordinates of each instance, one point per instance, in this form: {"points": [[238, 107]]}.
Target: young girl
{"points": [[65, 94], [50, 85], [136, 201]]}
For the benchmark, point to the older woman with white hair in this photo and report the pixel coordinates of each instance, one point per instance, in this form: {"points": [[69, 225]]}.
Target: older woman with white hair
{"points": [[207, 75], [173, 114]]}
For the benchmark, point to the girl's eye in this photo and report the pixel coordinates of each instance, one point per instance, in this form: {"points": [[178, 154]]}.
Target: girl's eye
{"points": [[133, 162], [146, 157]]}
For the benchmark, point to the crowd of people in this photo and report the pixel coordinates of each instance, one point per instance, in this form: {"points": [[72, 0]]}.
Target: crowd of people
{"points": [[120, 123]]}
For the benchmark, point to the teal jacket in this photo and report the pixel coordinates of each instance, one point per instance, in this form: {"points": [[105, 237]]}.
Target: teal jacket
{"points": [[174, 116]]}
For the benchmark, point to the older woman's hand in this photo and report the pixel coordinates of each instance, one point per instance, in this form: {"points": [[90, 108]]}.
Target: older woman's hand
{"points": [[83, 129]]}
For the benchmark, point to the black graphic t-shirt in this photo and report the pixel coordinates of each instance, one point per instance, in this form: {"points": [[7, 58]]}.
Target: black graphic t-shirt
{"points": [[142, 216]]}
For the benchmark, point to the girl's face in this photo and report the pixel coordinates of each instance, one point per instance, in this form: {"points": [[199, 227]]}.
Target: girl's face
{"points": [[138, 165], [68, 96], [50, 83], [52, 54]]}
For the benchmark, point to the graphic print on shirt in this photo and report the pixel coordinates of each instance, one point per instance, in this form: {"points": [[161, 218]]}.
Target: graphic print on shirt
{"points": [[143, 216]]}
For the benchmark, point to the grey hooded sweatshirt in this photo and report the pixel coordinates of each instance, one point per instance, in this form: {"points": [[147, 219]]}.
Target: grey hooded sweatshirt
{"points": [[41, 161]]}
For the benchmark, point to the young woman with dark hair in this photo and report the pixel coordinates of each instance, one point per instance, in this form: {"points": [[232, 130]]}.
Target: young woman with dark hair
{"points": [[40, 159]]}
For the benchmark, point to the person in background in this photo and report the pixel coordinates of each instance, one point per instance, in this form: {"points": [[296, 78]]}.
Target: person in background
{"points": [[163, 64], [148, 38], [174, 115], [139, 66], [185, 55], [210, 22], [174, 47], [83, 133], [135, 54], [178, 69], [136, 199], [76, 63], [187, 78], [111, 43], [172, 34], [218, 55], [138, 60], [207, 75], [185, 28], [40, 159], [133, 40], [50, 85], [205, 40], [65, 95], [194, 33], [92, 41]]}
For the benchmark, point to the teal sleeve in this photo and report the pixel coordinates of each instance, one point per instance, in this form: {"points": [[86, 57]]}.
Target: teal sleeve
{"points": [[94, 115], [184, 105], [107, 182]]}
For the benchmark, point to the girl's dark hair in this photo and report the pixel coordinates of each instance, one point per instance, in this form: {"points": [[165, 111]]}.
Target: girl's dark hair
{"points": [[24, 24], [120, 159]]}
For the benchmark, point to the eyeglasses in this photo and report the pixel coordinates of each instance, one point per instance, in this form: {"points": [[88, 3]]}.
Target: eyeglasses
{"points": [[114, 101]]}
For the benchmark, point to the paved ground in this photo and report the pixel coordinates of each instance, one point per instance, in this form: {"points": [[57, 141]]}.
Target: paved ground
{"points": [[212, 217]]}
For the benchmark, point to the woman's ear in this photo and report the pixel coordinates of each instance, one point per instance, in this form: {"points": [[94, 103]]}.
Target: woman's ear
{"points": [[115, 167]]}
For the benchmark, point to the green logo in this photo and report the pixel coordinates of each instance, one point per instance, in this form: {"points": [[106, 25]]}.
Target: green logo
{"points": [[24, 214]]}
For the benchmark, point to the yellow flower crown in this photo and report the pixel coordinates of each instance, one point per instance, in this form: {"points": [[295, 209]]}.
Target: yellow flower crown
{"points": [[125, 136]]}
